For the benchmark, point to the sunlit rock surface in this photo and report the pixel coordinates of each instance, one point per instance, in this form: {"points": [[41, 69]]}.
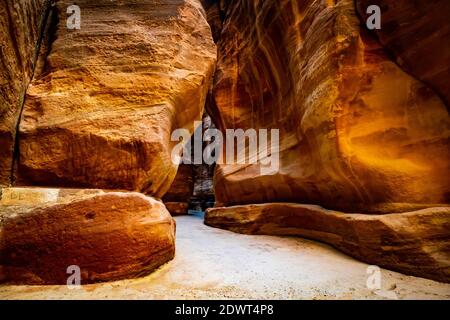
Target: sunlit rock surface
{"points": [[364, 129], [417, 33], [20, 23], [416, 243], [109, 236], [357, 133], [102, 111], [359, 130]]}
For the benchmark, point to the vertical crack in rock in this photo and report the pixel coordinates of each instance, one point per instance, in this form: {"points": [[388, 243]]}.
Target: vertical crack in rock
{"points": [[22, 23], [192, 187], [45, 33]]}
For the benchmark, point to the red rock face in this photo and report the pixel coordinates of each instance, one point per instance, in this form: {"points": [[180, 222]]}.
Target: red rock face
{"points": [[20, 24], [416, 243], [109, 236], [101, 113], [357, 133]]}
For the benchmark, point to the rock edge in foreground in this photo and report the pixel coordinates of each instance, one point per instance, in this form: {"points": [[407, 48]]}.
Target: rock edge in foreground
{"points": [[109, 235], [415, 243]]}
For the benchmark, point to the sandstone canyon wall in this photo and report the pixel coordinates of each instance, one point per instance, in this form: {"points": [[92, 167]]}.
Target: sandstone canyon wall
{"points": [[364, 126], [21, 24], [193, 184], [357, 132], [417, 34], [98, 113], [101, 113], [363, 120]]}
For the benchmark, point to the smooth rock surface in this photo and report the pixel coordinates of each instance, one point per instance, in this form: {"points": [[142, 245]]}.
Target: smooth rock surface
{"points": [[101, 113], [416, 243], [418, 34], [357, 133], [109, 235]]}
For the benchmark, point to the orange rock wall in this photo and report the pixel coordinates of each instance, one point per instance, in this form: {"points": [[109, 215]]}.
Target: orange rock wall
{"points": [[20, 24], [101, 113], [98, 113], [417, 33], [357, 132]]}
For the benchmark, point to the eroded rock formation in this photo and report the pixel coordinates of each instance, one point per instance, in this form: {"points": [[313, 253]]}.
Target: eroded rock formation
{"points": [[416, 242], [20, 25], [357, 133], [418, 34], [109, 236], [363, 120], [111, 93], [98, 113]]}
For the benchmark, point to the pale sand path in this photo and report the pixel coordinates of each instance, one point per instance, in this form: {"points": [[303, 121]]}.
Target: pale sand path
{"points": [[216, 264]]}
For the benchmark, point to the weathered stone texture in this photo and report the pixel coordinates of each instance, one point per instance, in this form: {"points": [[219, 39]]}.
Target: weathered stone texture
{"points": [[109, 236], [101, 113], [357, 133], [20, 30]]}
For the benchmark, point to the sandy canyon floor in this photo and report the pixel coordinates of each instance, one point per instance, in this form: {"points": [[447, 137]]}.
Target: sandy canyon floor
{"points": [[216, 264]]}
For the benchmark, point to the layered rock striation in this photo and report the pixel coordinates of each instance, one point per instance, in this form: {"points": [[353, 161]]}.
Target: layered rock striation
{"points": [[107, 235], [417, 33], [363, 123], [101, 113], [21, 24], [357, 133]]}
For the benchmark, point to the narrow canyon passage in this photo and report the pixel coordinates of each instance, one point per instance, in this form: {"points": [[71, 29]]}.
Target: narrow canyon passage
{"points": [[216, 264], [295, 121]]}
